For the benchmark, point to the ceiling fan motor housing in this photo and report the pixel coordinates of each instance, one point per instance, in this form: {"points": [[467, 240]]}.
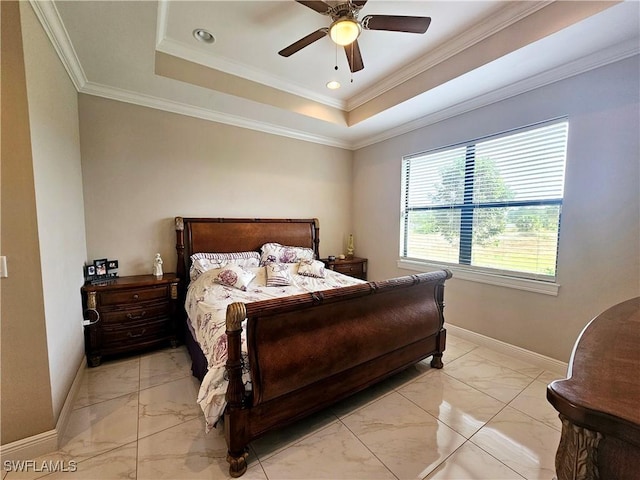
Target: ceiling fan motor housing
{"points": [[344, 10]]}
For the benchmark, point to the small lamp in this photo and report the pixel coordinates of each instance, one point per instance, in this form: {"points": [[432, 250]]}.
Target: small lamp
{"points": [[350, 248]]}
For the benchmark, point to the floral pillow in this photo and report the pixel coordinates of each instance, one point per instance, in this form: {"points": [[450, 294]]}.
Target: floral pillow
{"points": [[235, 276], [201, 262], [274, 252], [278, 274], [311, 268]]}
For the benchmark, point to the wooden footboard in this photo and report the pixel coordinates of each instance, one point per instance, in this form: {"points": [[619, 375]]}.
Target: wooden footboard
{"points": [[309, 351]]}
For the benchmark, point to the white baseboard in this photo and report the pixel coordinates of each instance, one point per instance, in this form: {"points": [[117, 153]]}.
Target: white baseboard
{"points": [[46, 442], [67, 406], [31, 447], [548, 363]]}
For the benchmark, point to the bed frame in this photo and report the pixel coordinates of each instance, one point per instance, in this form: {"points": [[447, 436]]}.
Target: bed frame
{"points": [[309, 351]]}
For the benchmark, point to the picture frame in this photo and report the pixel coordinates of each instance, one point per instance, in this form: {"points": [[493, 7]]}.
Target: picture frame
{"points": [[100, 266], [100, 271]]}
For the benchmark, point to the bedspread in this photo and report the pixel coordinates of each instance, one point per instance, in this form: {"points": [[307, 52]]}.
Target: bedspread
{"points": [[206, 305]]}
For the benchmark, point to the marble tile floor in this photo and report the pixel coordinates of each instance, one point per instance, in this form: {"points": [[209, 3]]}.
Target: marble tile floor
{"points": [[483, 416]]}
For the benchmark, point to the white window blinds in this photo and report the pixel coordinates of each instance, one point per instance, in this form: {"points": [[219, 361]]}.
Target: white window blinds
{"points": [[490, 204]]}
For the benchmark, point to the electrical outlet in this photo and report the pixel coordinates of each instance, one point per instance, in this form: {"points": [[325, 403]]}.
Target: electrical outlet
{"points": [[4, 273]]}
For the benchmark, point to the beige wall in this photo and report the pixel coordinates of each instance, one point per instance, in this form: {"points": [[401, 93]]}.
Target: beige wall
{"points": [[55, 140], [26, 394], [599, 254], [141, 167]]}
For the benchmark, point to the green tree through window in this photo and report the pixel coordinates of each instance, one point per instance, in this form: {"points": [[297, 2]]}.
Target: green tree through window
{"points": [[491, 221]]}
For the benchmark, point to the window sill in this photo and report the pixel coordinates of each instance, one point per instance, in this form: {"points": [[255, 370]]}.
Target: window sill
{"points": [[536, 286]]}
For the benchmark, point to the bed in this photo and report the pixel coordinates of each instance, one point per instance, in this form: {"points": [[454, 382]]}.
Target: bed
{"points": [[304, 352]]}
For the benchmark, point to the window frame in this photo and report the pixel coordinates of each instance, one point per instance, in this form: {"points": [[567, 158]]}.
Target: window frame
{"points": [[546, 284]]}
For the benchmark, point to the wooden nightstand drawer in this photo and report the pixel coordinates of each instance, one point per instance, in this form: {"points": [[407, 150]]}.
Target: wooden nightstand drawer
{"points": [[136, 295], [136, 333], [135, 314], [351, 269]]}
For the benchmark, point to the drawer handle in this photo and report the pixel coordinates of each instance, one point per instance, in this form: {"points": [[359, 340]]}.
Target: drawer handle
{"points": [[131, 335], [136, 317], [136, 296]]}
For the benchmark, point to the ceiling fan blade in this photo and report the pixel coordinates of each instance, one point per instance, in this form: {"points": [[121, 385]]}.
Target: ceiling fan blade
{"points": [[303, 42], [358, 3], [317, 5], [354, 57], [396, 23]]}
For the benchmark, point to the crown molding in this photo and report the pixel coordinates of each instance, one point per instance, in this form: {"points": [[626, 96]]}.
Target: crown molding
{"points": [[161, 22], [150, 101], [180, 50], [495, 23], [590, 62], [49, 18], [582, 65], [500, 20], [187, 52]]}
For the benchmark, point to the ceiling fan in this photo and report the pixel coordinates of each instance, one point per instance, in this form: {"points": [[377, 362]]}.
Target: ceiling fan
{"points": [[346, 28]]}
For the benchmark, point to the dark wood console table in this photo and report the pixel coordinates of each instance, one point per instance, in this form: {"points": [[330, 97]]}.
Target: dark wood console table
{"points": [[599, 404]]}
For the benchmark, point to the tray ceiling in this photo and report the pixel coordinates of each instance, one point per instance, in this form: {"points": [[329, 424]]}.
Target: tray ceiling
{"points": [[474, 53]]}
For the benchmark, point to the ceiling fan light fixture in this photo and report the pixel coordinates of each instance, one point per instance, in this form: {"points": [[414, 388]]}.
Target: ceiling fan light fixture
{"points": [[344, 31]]}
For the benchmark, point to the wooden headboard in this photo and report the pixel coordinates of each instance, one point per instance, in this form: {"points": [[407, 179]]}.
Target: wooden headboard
{"points": [[225, 235]]}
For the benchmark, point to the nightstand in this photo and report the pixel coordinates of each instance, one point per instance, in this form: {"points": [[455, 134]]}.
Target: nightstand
{"points": [[129, 314], [354, 267]]}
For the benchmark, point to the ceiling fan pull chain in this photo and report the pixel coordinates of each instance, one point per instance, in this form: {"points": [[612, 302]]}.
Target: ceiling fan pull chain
{"points": [[336, 67], [351, 70]]}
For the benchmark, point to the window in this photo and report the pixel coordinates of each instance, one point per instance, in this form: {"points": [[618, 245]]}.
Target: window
{"points": [[491, 205]]}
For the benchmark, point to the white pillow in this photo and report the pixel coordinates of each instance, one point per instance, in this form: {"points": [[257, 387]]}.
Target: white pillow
{"points": [[311, 268], [235, 276], [274, 252], [278, 274], [201, 262]]}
